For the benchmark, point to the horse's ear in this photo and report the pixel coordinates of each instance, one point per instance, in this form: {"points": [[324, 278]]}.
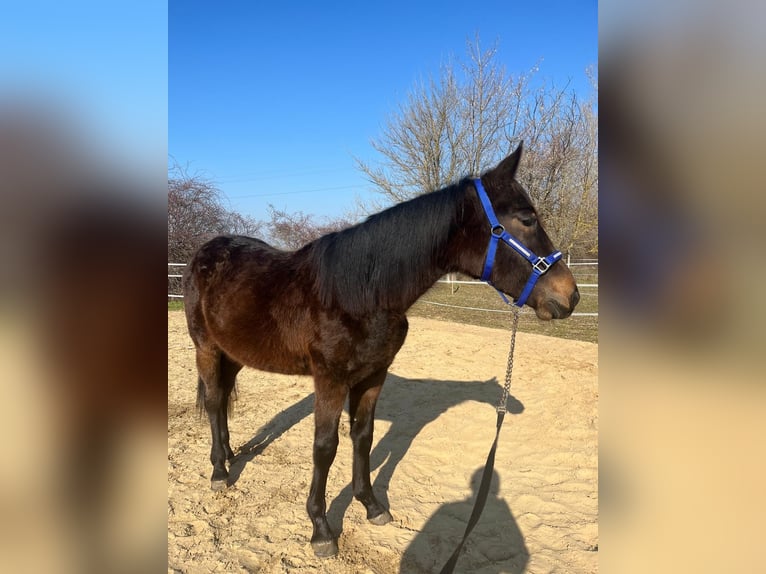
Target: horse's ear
{"points": [[508, 166]]}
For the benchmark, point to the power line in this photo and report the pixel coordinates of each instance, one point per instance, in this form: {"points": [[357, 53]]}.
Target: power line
{"points": [[316, 190]]}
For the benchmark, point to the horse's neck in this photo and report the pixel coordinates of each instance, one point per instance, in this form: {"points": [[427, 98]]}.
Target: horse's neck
{"points": [[454, 250], [394, 257]]}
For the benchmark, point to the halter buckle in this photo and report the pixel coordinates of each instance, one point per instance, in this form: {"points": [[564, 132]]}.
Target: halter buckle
{"points": [[497, 230], [541, 265]]}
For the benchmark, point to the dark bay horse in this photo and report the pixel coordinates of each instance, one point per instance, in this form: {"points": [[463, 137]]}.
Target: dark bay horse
{"points": [[335, 310]]}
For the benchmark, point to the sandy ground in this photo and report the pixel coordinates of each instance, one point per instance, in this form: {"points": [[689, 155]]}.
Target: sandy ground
{"points": [[435, 425]]}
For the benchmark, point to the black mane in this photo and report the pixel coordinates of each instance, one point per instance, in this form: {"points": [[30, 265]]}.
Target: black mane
{"points": [[390, 259]]}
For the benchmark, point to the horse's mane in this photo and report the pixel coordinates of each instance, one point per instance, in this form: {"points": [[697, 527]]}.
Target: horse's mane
{"points": [[389, 259]]}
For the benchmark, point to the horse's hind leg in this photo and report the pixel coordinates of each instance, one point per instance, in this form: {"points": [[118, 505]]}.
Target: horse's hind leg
{"points": [[362, 401], [217, 375], [229, 370], [327, 410]]}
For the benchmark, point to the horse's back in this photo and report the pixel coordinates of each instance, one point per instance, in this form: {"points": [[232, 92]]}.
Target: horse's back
{"points": [[224, 258], [226, 251]]}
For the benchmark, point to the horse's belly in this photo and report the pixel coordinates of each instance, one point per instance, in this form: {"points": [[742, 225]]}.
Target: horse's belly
{"points": [[287, 364], [264, 346]]}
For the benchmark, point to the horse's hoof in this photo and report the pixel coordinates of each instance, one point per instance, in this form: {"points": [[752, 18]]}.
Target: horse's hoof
{"points": [[219, 484], [382, 518], [325, 548]]}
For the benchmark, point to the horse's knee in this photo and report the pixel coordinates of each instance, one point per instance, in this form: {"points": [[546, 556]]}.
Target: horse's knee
{"points": [[325, 447]]}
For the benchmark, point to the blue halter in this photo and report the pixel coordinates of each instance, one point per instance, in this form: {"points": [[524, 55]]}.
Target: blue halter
{"points": [[497, 232]]}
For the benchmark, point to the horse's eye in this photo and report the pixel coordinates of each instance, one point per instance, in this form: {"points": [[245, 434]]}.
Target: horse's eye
{"points": [[527, 218]]}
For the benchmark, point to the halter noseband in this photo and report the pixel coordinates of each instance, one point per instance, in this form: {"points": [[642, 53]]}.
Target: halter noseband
{"points": [[497, 232]]}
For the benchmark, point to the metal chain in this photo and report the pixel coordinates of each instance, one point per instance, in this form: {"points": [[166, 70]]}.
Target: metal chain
{"points": [[502, 405]]}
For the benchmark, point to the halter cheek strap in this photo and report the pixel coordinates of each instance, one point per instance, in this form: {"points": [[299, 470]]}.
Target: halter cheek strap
{"points": [[497, 232]]}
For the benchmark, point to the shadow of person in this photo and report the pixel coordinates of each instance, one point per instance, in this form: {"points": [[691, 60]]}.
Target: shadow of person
{"points": [[495, 546], [410, 405]]}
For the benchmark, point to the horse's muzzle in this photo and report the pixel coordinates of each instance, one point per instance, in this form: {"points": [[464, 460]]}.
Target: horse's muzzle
{"points": [[554, 309]]}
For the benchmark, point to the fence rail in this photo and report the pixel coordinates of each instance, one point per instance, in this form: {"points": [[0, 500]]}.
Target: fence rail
{"points": [[577, 263], [447, 281]]}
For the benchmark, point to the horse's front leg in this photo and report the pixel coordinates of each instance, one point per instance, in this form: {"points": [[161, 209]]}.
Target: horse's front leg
{"points": [[327, 410], [362, 401]]}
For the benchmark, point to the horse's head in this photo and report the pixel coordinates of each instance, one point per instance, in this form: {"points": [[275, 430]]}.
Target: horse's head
{"points": [[555, 293]]}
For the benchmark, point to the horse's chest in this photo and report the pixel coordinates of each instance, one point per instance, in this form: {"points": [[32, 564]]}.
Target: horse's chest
{"points": [[354, 346]]}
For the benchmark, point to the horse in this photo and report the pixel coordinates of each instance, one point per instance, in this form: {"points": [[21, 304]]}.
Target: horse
{"points": [[335, 309]]}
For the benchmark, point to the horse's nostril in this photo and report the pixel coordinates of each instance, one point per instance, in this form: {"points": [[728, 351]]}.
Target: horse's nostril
{"points": [[557, 310], [574, 299]]}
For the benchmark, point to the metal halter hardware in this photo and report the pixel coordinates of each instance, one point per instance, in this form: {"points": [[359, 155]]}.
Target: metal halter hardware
{"points": [[497, 232]]}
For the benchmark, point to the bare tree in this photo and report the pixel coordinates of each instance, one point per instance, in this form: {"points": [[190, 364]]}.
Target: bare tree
{"points": [[417, 142], [560, 165], [196, 214], [487, 100], [448, 127], [470, 116], [294, 230]]}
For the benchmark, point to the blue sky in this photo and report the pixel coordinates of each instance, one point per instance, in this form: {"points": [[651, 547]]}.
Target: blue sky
{"points": [[271, 101]]}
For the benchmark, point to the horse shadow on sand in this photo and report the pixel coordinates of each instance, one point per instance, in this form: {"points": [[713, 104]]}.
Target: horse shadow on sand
{"points": [[268, 433], [409, 405]]}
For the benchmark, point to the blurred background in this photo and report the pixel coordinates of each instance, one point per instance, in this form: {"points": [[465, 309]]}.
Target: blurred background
{"points": [[83, 166], [682, 393]]}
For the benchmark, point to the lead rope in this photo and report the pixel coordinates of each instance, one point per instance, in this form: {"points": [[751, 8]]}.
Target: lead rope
{"points": [[502, 405], [486, 477]]}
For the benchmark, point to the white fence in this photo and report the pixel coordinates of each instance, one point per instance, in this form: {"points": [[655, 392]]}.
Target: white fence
{"points": [[579, 269], [177, 278]]}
